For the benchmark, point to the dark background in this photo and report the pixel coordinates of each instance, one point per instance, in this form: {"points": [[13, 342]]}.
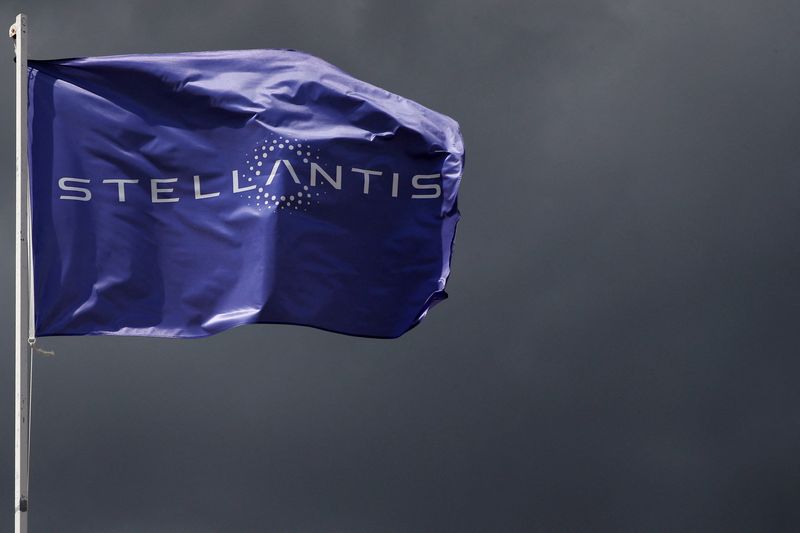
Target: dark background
{"points": [[620, 349]]}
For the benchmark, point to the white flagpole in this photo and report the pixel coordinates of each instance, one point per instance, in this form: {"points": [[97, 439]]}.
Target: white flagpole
{"points": [[22, 406]]}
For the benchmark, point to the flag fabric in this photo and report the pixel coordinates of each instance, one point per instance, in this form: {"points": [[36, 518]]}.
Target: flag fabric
{"points": [[180, 195]]}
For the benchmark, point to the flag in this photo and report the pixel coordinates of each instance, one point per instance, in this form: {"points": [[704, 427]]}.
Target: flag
{"points": [[180, 195]]}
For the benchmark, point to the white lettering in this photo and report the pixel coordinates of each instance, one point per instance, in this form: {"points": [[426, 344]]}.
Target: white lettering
{"points": [[415, 182], [121, 186], [367, 174], [197, 194], [154, 190], [424, 186], [337, 184], [62, 184], [236, 188], [288, 166]]}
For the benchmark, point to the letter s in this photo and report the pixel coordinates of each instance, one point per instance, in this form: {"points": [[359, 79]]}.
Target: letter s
{"points": [[62, 184], [435, 187]]}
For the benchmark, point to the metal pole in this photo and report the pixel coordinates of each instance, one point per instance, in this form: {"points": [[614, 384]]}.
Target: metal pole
{"points": [[19, 32]]}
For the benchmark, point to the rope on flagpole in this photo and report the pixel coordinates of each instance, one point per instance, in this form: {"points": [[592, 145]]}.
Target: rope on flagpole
{"points": [[31, 342], [48, 353]]}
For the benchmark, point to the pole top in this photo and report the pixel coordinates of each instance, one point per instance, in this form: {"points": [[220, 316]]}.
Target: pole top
{"points": [[14, 29], [20, 26]]}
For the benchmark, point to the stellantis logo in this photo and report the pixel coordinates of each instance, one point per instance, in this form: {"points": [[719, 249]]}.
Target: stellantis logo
{"points": [[277, 157]]}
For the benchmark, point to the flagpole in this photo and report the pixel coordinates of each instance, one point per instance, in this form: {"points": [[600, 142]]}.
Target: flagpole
{"points": [[19, 32]]}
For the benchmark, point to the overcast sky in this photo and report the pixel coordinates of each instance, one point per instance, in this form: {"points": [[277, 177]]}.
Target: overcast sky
{"points": [[620, 348]]}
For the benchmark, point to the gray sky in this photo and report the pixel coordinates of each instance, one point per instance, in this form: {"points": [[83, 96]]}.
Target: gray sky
{"points": [[619, 352]]}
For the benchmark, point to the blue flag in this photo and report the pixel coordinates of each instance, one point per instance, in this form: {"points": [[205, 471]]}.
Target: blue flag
{"points": [[180, 195]]}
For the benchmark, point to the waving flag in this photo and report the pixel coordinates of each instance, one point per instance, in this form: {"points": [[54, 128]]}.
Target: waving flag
{"points": [[180, 195]]}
